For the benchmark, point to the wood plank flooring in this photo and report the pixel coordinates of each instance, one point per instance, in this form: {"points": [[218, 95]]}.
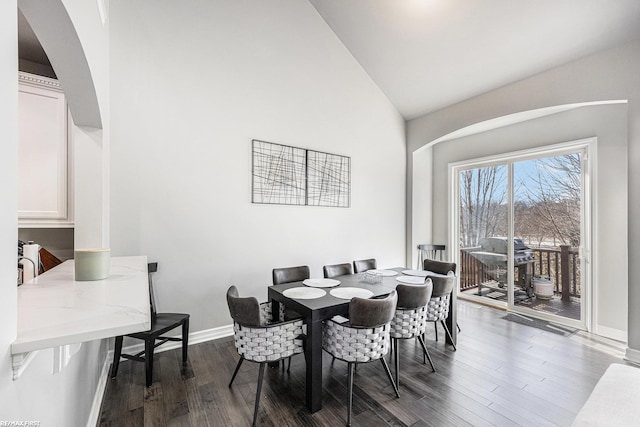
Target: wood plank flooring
{"points": [[503, 374]]}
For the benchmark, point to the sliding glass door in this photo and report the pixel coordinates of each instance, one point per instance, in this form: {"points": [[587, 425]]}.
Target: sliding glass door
{"points": [[522, 229]]}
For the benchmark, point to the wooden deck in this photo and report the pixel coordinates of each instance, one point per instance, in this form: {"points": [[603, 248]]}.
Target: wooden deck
{"points": [[491, 290], [503, 374]]}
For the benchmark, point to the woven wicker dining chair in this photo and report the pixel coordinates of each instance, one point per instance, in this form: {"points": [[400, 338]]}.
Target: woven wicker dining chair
{"points": [[440, 267], [438, 307], [410, 319], [283, 275], [259, 339], [364, 338]]}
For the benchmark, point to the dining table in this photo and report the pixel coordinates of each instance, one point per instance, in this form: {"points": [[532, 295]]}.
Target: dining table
{"points": [[315, 307]]}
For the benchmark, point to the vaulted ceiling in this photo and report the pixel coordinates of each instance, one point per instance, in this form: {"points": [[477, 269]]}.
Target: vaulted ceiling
{"points": [[428, 54]]}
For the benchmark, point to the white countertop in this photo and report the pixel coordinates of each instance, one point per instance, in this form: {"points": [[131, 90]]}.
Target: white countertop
{"points": [[55, 310]]}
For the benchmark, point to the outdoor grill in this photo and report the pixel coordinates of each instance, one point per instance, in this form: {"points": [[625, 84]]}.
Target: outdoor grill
{"points": [[493, 254]]}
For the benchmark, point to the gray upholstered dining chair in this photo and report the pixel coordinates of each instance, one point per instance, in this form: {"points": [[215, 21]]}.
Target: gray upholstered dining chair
{"points": [[438, 307], [410, 319], [440, 267], [258, 338], [289, 274], [364, 338], [360, 266], [336, 270]]}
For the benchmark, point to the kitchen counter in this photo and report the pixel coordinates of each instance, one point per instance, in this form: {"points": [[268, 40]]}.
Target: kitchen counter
{"points": [[54, 310]]}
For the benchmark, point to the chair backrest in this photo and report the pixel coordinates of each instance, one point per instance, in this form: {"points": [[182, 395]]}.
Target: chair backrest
{"points": [[336, 270], [442, 285], [439, 266], [244, 311], [290, 274], [152, 267], [411, 296], [364, 265], [372, 312], [430, 251]]}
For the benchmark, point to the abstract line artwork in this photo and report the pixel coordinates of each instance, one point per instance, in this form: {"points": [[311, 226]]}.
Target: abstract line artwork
{"points": [[279, 174], [328, 179], [295, 176]]}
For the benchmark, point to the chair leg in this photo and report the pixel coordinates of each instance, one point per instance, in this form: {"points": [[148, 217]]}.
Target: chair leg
{"points": [[435, 326], [148, 359], [350, 397], [397, 360], [236, 371], [458, 326], [260, 377], [448, 334], [185, 340], [116, 356], [289, 365], [386, 369], [425, 352]]}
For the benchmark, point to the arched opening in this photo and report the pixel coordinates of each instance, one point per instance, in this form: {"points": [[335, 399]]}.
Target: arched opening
{"points": [[55, 31], [52, 24]]}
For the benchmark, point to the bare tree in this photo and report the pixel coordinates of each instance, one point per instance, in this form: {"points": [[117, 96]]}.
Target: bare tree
{"points": [[483, 210], [552, 195]]}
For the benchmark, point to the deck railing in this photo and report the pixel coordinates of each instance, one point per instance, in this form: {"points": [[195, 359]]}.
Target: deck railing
{"points": [[561, 265]]}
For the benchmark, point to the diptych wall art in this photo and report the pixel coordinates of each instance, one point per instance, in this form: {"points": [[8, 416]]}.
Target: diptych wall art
{"points": [[296, 176]]}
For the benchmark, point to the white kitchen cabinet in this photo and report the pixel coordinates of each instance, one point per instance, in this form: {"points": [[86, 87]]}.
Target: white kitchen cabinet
{"points": [[43, 152]]}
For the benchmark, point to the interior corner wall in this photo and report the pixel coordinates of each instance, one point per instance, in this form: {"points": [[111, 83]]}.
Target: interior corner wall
{"points": [[421, 230], [607, 75], [185, 105]]}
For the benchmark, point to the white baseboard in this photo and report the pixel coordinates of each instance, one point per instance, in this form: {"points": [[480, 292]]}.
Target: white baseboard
{"points": [[100, 389], [632, 355], [194, 338], [614, 334]]}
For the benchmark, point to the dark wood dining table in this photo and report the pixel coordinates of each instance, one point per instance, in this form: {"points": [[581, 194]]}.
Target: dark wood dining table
{"points": [[315, 311]]}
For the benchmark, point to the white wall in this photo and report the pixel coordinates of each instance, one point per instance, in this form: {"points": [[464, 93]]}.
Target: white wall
{"points": [[610, 74], [66, 398], [191, 84]]}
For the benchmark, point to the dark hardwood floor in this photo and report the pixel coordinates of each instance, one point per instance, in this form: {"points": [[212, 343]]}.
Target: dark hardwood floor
{"points": [[503, 374]]}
